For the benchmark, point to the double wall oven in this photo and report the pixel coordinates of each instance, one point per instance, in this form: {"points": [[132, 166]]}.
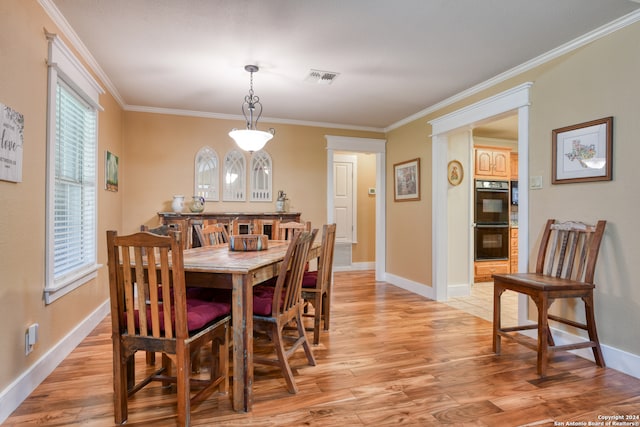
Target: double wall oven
{"points": [[491, 220]]}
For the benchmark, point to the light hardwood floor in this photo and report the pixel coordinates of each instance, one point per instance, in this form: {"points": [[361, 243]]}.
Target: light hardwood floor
{"points": [[390, 358]]}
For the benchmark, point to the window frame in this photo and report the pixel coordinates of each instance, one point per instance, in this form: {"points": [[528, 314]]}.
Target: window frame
{"points": [[207, 156], [261, 170], [64, 67], [236, 191]]}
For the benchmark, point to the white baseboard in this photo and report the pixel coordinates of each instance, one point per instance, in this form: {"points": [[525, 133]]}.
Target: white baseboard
{"points": [[411, 286], [12, 396], [356, 266]]}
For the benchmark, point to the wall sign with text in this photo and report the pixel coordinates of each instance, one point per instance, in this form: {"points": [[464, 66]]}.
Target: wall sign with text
{"points": [[11, 141]]}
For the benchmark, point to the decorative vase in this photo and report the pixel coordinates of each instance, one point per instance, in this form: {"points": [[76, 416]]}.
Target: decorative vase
{"points": [[177, 204], [197, 204], [281, 202]]}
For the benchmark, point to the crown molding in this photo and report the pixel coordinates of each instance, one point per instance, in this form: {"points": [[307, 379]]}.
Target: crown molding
{"points": [[574, 44]]}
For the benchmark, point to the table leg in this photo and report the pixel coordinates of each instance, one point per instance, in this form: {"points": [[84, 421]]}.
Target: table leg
{"points": [[242, 318]]}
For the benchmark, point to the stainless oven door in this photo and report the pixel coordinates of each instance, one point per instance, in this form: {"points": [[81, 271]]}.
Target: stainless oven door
{"points": [[491, 242]]}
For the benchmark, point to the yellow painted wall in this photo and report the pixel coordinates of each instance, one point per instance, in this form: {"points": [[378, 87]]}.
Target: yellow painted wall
{"points": [[23, 87], [595, 81], [159, 157], [364, 250], [157, 154]]}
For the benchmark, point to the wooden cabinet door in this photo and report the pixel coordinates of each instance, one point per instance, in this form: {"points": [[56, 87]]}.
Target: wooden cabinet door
{"points": [[492, 163], [514, 166], [484, 160], [501, 164]]}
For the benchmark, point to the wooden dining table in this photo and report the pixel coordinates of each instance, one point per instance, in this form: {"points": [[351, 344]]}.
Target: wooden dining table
{"points": [[219, 267]]}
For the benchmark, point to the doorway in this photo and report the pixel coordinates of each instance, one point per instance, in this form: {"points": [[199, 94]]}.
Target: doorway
{"points": [[362, 145], [513, 101]]}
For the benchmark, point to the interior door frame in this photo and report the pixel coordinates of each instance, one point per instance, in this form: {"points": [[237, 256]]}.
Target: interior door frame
{"points": [[363, 145], [517, 100]]}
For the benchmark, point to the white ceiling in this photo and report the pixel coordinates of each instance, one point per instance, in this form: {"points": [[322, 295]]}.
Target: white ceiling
{"points": [[395, 58]]}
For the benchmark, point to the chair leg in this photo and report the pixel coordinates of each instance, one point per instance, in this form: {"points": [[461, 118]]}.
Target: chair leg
{"points": [[591, 329], [317, 317], [326, 311], [497, 293], [183, 373], [305, 343], [543, 333], [278, 342], [120, 387]]}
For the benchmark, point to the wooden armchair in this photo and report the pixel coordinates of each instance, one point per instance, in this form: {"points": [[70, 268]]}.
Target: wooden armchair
{"points": [[276, 307], [564, 269], [286, 230], [316, 285], [150, 312]]}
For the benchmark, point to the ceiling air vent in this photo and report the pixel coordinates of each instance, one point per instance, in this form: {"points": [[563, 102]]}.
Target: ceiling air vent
{"points": [[321, 77]]}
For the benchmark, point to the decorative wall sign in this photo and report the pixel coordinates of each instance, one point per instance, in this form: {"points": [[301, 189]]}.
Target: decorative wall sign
{"points": [[455, 173], [11, 144], [407, 180], [583, 152], [111, 171]]}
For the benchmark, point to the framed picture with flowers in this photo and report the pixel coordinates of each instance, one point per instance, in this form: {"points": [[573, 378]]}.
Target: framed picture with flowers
{"points": [[583, 152]]}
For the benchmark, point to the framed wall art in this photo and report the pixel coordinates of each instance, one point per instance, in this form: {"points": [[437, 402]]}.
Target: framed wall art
{"points": [[583, 152], [111, 171], [406, 180], [455, 173], [11, 144]]}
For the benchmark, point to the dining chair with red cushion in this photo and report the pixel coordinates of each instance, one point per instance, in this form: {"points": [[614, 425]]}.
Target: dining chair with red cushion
{"points": [[316, 285], [170, 323], [279, 306]]}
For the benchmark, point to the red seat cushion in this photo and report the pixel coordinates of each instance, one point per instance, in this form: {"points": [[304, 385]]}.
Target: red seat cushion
{"points": [[309, 279], [263, 300], [199, 313]]}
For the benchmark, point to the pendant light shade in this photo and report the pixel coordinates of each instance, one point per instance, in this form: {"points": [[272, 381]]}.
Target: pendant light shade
{"points": [[251, 139]]}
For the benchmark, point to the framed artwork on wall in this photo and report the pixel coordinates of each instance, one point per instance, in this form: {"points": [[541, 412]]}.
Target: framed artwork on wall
{"points": [[582, 152], [406, 180], [455, 173], [111, 171]]}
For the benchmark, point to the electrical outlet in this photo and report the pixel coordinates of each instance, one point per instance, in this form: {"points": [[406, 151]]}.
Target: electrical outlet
{"points": [[30, 338]]}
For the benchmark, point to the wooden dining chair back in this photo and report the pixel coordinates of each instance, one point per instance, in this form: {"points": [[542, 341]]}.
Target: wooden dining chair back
{"points": [[150, 312], [565, 268], [316, 285], [276, 307], [212, 234], [286, 230]]}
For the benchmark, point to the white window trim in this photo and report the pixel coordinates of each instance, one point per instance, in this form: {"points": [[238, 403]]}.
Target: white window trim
{"points": [[62, 63]]}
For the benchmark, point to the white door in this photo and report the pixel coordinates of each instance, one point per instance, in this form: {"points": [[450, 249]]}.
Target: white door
{"points": [[344, 167]]}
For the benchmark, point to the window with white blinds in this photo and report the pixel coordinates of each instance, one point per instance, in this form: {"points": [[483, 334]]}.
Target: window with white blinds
{"points": [[74, 224], [71, 174]]}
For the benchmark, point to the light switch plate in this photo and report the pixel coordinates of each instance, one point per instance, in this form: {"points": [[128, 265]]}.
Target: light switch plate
{"points": [[535, 182]]}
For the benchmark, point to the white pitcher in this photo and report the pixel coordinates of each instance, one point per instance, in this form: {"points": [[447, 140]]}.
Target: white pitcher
{"points": [[178, 203]]}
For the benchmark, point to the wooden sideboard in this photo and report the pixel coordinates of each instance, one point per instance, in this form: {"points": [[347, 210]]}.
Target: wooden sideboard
{"points": [[236, 222]]}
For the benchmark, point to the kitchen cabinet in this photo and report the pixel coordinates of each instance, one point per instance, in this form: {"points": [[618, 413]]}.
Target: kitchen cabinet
{"points": [[513, 165], [492, 163], [484, 269]]}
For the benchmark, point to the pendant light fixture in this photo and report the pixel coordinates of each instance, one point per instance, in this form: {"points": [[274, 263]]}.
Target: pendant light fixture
{"points": [[251, 139]]}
